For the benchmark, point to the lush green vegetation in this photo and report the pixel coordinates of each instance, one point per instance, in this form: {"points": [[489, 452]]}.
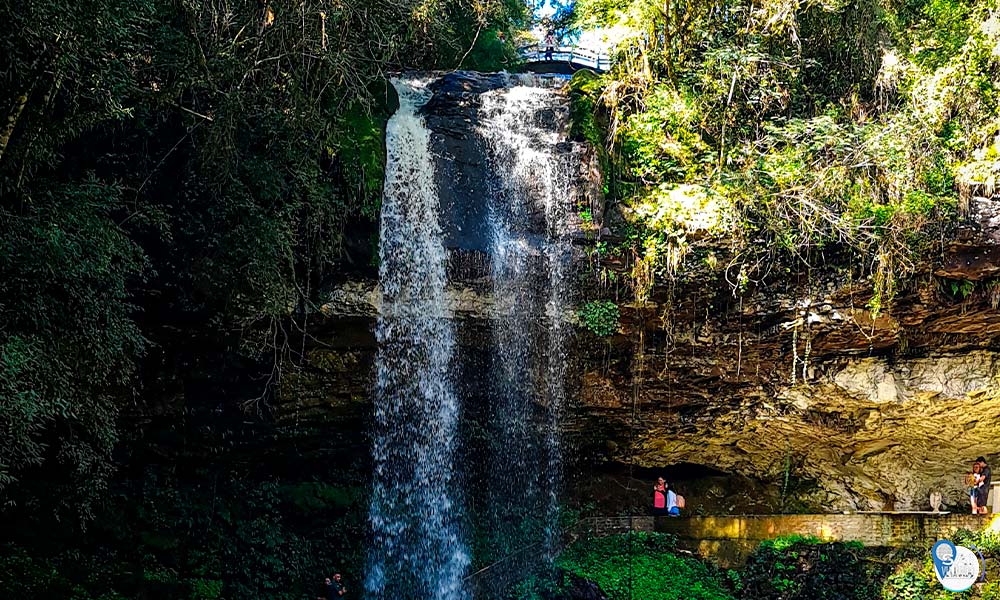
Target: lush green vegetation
{"points": [[792, 568], [789, 568], [642, 566], [600, 317], [210, 534], [914, 579], [794, 129], [177, 181], [178, 176]]}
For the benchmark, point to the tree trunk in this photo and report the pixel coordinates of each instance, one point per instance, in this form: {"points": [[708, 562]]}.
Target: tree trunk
{"points": [[12, 119]]}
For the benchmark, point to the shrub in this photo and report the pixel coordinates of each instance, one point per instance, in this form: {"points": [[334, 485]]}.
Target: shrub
{"points": [[907, 583], [788, 569]]}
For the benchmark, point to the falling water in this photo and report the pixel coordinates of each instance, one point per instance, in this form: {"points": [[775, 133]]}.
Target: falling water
{"points": [[530, 250], [416, 551]]}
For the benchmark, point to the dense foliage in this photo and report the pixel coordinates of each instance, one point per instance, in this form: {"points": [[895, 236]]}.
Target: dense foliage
{"points": [[642, 566], [793, 129], [790, 568], [600, 317], [210, 534], [177, 176], [914, 579], [177, 182]]}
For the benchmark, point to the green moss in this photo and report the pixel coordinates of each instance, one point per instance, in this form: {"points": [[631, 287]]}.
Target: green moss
{"points": [[585, 92]]}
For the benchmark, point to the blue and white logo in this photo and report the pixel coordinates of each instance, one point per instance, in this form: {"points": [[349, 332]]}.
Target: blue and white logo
{"points": [[956, 567]]}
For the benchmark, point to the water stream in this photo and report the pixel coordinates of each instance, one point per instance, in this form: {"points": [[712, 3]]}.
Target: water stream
{"points": [[530, 249], [420, 549], [417, 550]]}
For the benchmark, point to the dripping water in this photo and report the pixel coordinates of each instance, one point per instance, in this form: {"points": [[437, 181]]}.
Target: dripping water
{"points": [[416, 551], [530, 251]]}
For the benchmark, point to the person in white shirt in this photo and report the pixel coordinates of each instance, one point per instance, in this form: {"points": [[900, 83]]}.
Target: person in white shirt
{"points": [[672, 509]]}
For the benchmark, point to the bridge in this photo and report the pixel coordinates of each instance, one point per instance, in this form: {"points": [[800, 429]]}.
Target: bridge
{"points": [[563, 59]]}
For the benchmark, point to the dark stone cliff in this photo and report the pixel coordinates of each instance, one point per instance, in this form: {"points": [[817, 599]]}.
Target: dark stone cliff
{"points": [[790, 379]]}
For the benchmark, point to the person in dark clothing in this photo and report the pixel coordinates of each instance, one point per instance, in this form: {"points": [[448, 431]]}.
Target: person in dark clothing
{"points": [[333, 589], [983, 489], [326, 590], [337, 588]]}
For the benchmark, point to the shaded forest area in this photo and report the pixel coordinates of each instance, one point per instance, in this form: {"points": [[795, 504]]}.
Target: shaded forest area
{"points": [[176, 179]]}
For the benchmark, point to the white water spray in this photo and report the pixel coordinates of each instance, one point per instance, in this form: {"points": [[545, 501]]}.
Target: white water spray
{"points": [[417, 551], [531, 251]]}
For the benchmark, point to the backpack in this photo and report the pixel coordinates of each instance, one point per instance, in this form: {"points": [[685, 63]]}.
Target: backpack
{"points": [[680, 501]]}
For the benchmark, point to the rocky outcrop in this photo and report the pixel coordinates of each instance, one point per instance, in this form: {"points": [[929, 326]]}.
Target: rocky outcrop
{"points": [[800, 381], [795, 380]]}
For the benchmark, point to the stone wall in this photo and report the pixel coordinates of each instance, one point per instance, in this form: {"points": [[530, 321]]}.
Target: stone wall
{"points": [[728, 540]]}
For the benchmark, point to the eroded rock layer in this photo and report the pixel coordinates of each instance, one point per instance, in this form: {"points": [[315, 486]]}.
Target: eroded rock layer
{"points": [[799, 381]]}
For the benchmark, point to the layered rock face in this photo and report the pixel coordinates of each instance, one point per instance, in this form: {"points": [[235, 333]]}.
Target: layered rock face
{"points": [[799, 381], [795, 381]]}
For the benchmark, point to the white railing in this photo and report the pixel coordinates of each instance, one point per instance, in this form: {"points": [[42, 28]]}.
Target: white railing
{"points": [[538, 53]]}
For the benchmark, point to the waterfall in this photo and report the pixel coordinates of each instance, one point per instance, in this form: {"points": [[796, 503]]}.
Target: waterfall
{"points": [[530, 251], [503, 205], [416, 550]]}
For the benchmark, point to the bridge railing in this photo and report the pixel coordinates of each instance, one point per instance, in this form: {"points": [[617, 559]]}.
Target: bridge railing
{"points": [[572, 54]]}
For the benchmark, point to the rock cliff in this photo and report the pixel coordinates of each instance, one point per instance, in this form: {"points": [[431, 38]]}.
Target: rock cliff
{"points": [[794, 379], [798, 380]]}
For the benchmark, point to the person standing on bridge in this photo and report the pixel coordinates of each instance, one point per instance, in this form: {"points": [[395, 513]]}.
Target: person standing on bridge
{"points": [[550, 45]]}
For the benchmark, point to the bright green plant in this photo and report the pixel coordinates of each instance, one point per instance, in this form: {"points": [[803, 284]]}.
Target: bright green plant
{"points": [[907, 583], [991, 591], [959, 288], [601, 317], [824, 125]]}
